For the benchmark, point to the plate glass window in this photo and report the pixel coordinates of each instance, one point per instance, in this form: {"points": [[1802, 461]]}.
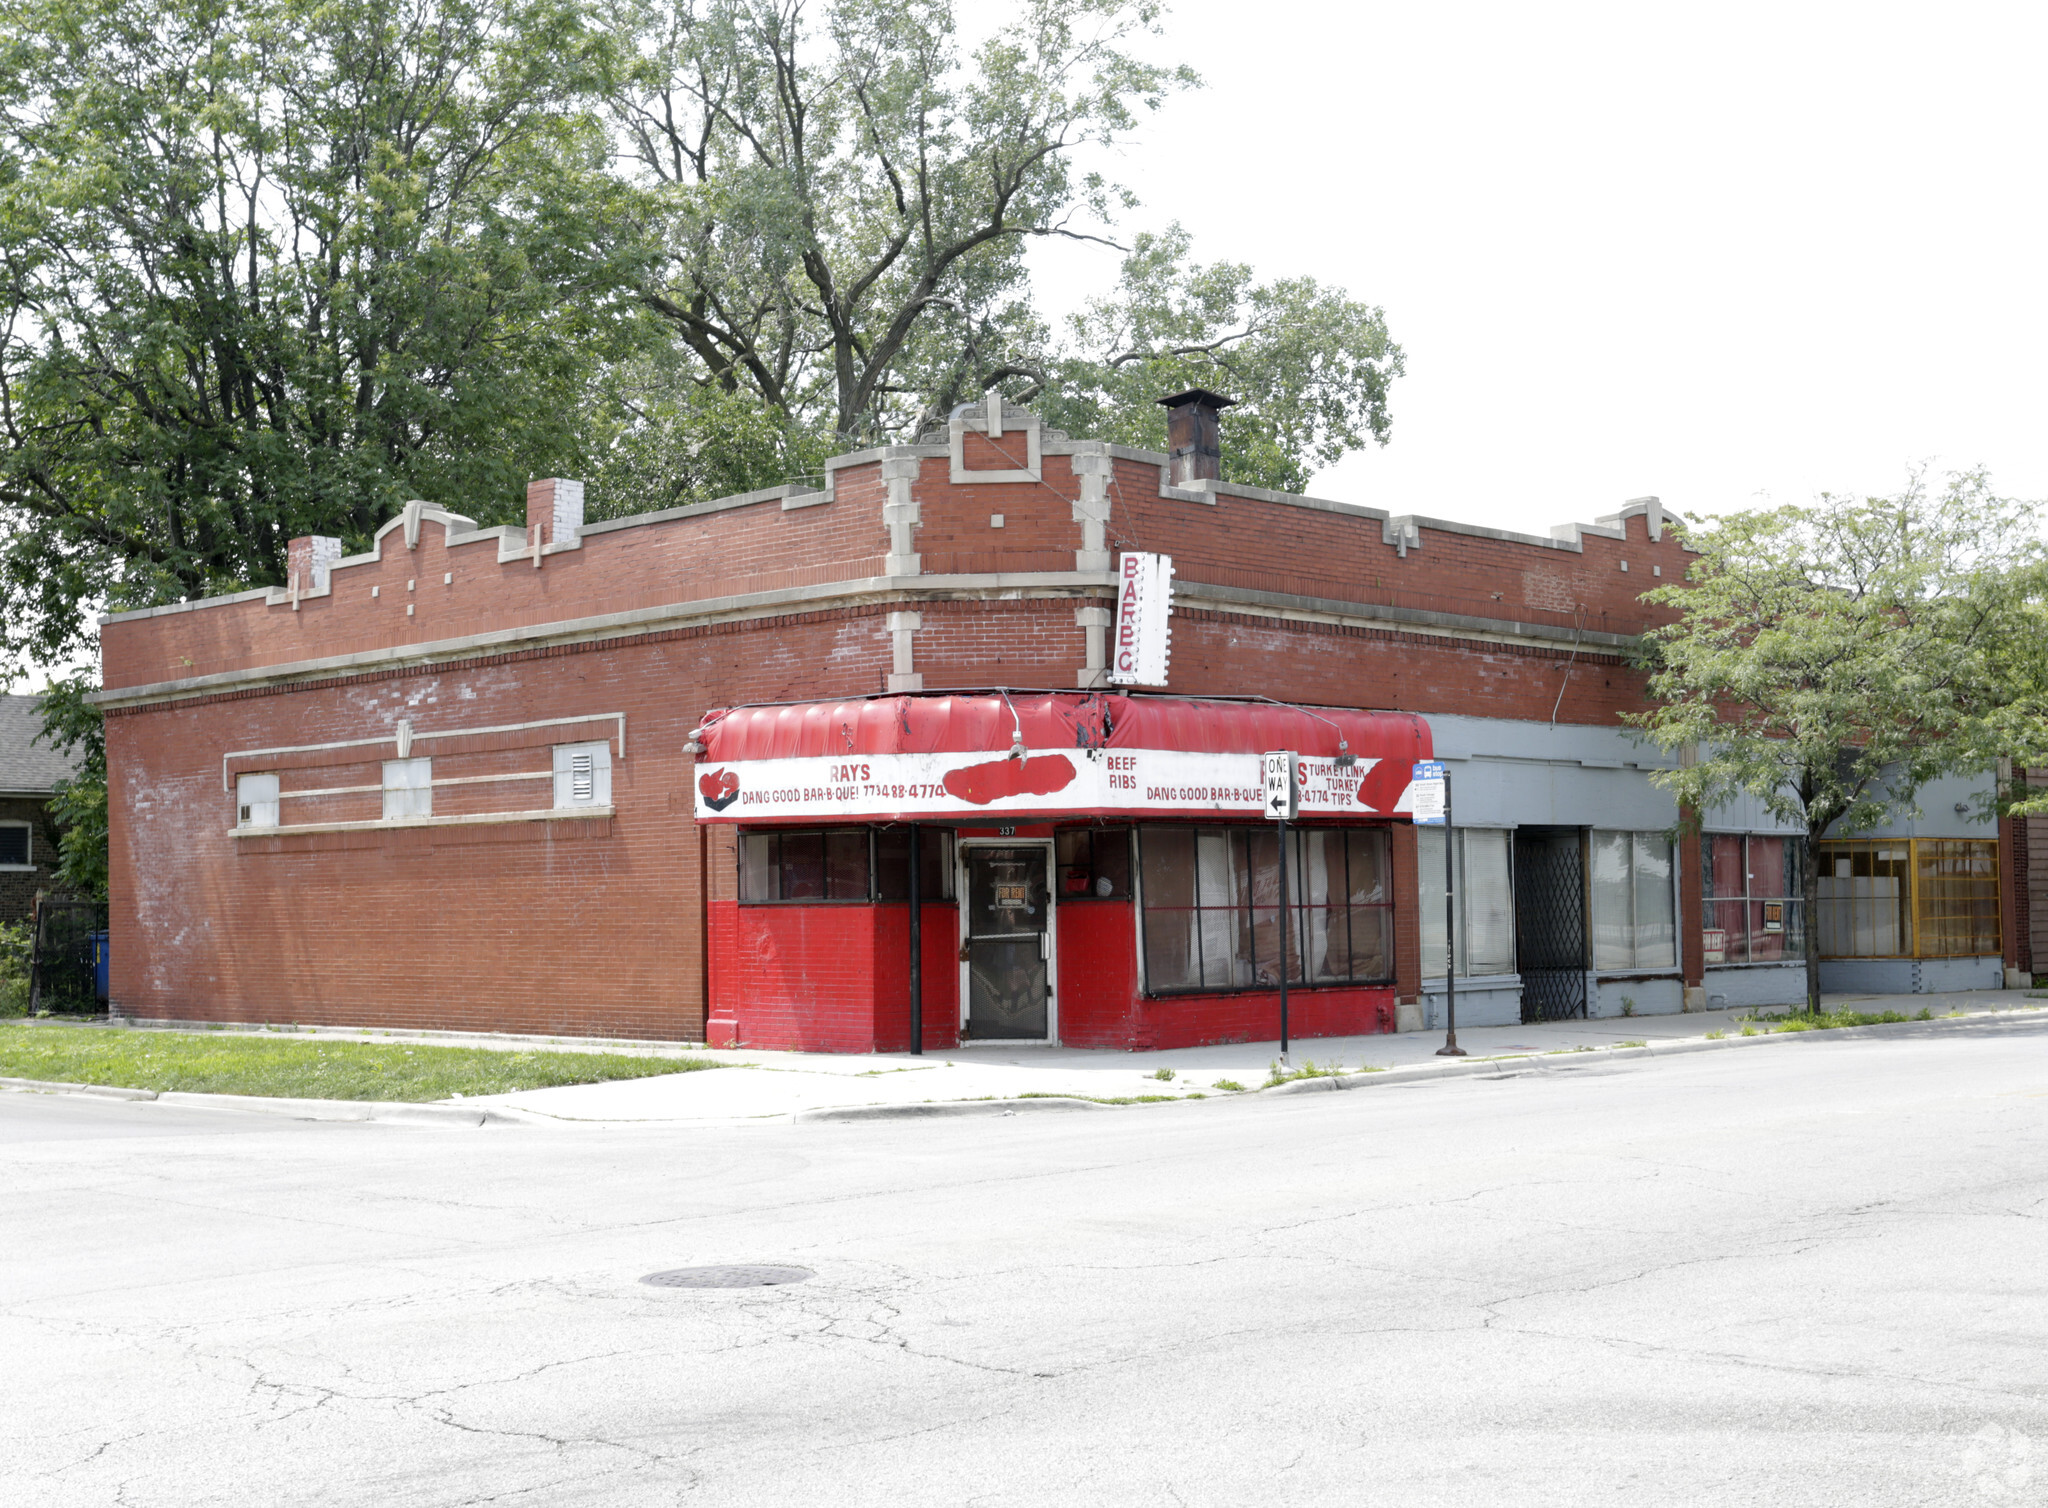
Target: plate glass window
{"points": [[1485, 901], [16, 847], [1211, 903], [1094, 864], [892, 864], [1752, 911], [1908, 898], [1635, 912], [832, 865], [256, 801], [408, 788], [583, 774]]}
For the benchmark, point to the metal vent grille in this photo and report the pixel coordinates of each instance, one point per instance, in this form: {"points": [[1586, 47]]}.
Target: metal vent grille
{"points": [[582, 778]]}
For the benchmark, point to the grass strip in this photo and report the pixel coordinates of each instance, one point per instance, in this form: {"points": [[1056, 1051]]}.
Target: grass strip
{"points": [[320, 1068], [1802, 1021]]}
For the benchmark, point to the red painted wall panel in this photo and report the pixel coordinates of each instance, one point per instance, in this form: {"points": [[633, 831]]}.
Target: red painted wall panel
{"points": [[940, 945], [1098, 974]]}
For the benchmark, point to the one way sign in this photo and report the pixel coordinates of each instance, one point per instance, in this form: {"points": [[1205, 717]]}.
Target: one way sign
{"points": [[1283, 796]]}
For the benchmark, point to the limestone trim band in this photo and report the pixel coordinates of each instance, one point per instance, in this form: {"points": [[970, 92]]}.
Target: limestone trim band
{"points": [[882, 590], [467, 819], [405, 735]]}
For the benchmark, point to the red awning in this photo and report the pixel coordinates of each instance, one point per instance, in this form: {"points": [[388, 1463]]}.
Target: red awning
{"points": [[892, 757]]}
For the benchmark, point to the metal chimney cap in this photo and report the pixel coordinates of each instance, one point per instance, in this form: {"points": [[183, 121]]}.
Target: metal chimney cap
{"points": [[1199, 395]]}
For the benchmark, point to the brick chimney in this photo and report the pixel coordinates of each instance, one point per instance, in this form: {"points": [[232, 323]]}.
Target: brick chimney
{"points": [[555, 506], [1194, 435], [307, 561]]}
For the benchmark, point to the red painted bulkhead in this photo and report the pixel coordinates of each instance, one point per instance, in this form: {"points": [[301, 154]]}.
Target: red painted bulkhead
{"points": [[835, 978]]}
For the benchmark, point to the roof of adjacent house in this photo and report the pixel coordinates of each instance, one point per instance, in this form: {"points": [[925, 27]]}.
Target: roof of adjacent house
{"points": [[28, 765]]}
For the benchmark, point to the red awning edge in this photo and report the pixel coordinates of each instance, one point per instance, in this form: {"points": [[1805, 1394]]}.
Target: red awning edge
{"points": [[1044, 754]]}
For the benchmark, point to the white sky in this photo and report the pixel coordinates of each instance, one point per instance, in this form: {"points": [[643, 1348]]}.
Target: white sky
{"points": [[1725, 254]]}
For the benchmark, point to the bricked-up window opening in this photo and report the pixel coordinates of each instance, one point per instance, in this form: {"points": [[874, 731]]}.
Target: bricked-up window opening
{"points": [[583, 774], [1909, 898], [1094, 864], [15, 849], [892, 864], [256, 800], [1485, 900], [1635, 908], [805, 866], [408, 788], [1211, 904], [1752, 911]]}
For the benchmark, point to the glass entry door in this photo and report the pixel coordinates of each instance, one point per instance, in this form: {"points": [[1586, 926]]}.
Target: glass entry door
{"points": [[1007, 948]]}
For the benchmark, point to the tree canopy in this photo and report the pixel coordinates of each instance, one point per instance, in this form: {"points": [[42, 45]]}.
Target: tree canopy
{"points": [[273, 267], [1831, 660]]}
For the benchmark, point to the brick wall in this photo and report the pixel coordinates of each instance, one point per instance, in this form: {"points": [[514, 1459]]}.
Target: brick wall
{"points": [[18, 887], [584, 926], [596, 925]]}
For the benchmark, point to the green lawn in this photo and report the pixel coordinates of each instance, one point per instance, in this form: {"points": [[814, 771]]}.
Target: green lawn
{"points": [[308, 1067]]}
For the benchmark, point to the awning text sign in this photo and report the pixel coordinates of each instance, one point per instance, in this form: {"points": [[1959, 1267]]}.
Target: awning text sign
{"points": [[1144, 608], [1094, 781]]}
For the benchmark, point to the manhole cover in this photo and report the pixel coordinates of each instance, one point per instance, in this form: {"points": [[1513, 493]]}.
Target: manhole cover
{"points": [[755, 1275]]}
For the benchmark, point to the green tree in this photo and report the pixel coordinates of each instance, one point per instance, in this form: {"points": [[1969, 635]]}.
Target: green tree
{"points": [[1831, 660], [1309, 367], [79, 804], [836, 186], [269, 270]]}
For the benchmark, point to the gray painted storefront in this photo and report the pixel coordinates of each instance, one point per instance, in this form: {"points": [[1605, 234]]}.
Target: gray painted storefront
{"points": [[1511, 774], [1508, 774]]}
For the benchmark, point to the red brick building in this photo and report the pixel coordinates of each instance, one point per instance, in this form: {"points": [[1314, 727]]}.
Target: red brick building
{"points": [[456, 781]]}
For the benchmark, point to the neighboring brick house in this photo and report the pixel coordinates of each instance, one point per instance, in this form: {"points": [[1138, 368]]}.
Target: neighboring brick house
{"points": [[525, 779], [29, 772]]}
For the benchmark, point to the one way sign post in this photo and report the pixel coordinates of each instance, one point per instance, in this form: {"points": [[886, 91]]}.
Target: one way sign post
{"points": [[1283, 799]]}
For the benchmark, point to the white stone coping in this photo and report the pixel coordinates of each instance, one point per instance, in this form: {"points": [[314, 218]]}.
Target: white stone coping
{"points": [[873, 589], [513, 541], [465, 819]]}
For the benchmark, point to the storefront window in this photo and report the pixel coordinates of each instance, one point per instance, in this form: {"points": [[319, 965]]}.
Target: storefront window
{"points": [[1485, 900], [805, 866], [1751, 888], [1212, 907], [1635, 914], [892, 864], [1094, 864], [1908, 898]]}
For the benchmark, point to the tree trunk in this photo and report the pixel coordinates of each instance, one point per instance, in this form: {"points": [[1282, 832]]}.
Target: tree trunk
{"points": [[1809, 904]]}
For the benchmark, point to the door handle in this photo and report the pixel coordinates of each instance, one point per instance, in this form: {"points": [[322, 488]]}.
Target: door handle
{"points": [[965, 944]]}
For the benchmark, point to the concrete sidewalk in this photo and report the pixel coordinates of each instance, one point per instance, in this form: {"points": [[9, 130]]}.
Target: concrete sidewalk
{"points": [[755, 1085]]}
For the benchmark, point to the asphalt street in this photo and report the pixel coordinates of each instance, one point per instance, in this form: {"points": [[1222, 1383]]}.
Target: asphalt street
{"points": [[1808, 1275]]}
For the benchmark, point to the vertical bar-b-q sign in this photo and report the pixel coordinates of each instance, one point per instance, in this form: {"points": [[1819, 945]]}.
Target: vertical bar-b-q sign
{"points": [[1144, 609]]}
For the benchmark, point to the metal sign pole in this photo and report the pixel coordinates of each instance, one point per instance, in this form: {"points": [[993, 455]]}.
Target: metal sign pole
{"points": [[1286, 937], [916, 943], [1283, 795], [1450, 1049]]}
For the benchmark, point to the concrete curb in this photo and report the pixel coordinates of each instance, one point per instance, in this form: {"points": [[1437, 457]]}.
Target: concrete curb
{"points": [[1570, 1061], [924, 1108], [441, 1113], [392, 1112]]}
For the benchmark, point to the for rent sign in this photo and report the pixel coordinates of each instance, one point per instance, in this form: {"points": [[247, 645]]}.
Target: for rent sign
{"points": [[1144, 604]]}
